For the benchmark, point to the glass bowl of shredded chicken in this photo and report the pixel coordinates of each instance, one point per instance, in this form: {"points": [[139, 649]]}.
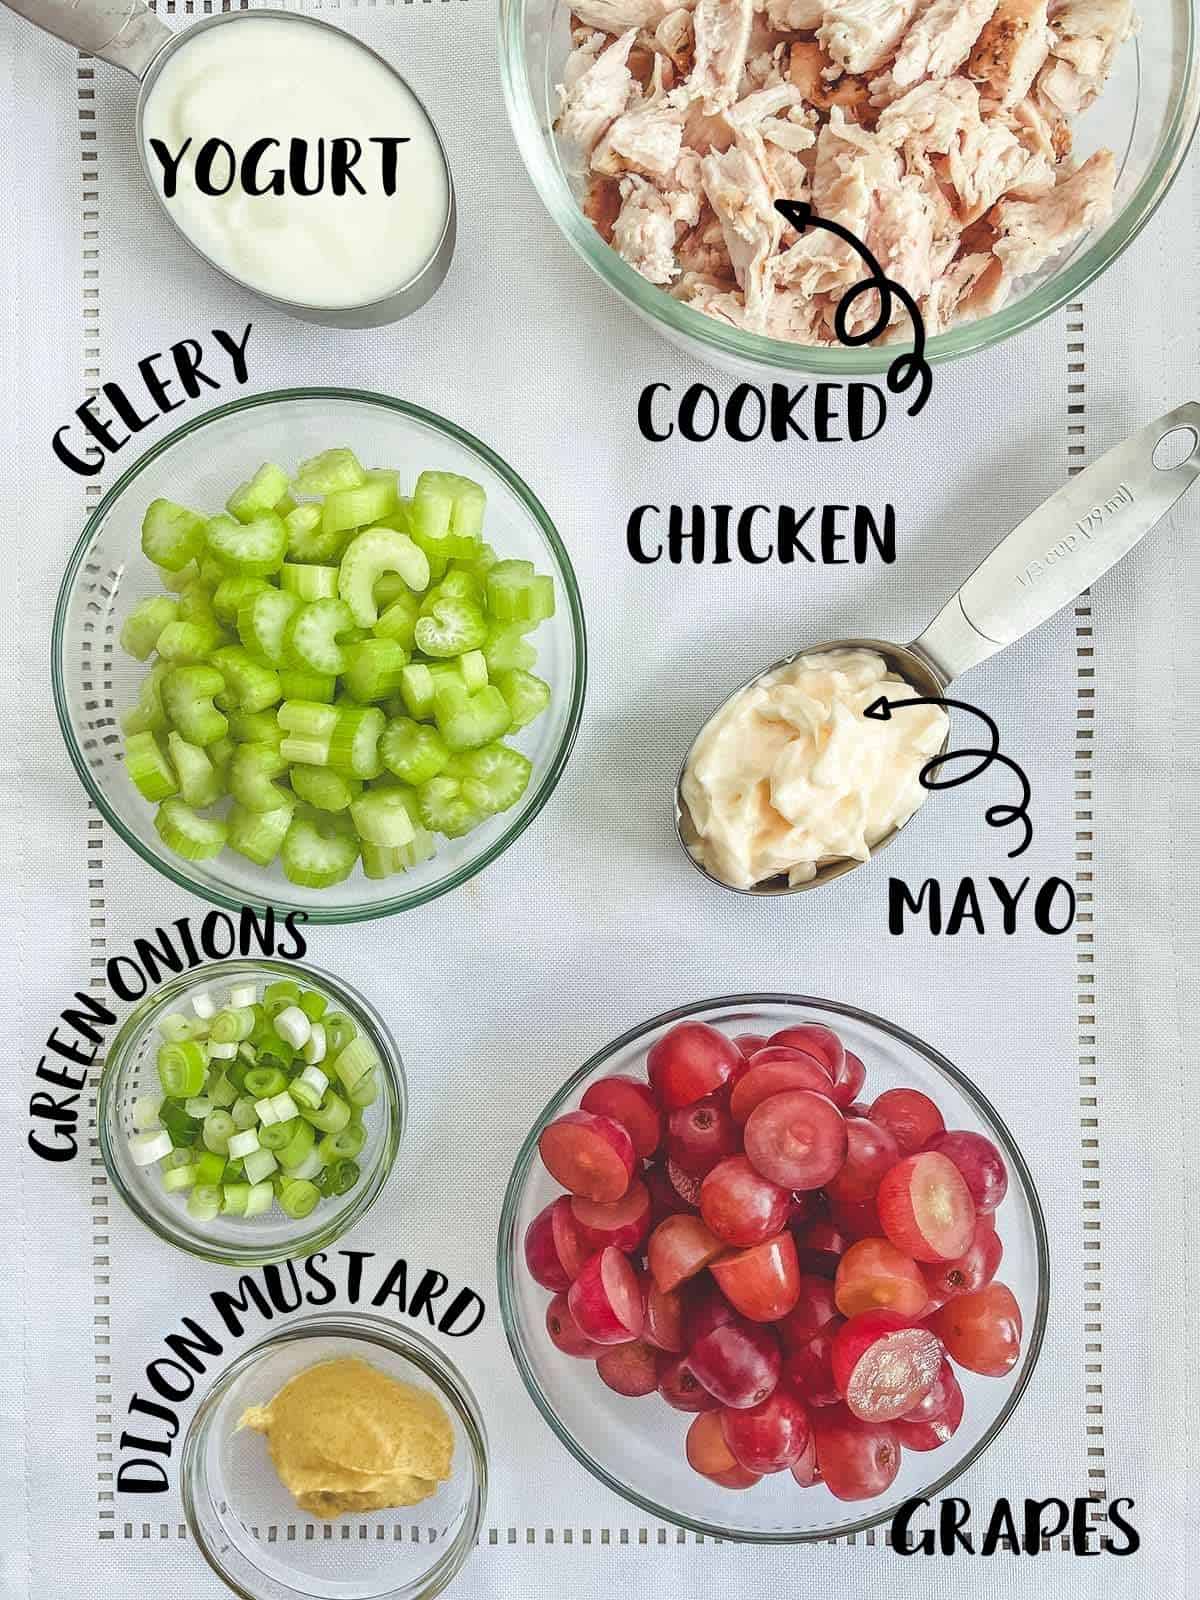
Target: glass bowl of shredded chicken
{"points": [[993, 155]]}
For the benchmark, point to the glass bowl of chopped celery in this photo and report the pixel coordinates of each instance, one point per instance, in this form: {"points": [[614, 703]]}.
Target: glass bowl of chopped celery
{"points": [[322, 650], [250, 1111]]}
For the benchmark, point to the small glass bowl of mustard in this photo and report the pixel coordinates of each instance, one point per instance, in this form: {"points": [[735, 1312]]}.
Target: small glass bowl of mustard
{"points": [[253, 1534]]}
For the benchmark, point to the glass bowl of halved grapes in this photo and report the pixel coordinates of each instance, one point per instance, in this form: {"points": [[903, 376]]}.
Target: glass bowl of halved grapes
{"points": [[251, 1111], [770, 1267], [322, 650]]}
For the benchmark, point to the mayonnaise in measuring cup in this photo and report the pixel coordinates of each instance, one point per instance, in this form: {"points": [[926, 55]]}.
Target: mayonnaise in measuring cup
{"points": [[790, 774], [283, 79]]}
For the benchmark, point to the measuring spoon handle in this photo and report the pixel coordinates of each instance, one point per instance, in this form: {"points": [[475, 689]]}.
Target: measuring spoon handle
{"points": [[1063, 546], [125, 33]]}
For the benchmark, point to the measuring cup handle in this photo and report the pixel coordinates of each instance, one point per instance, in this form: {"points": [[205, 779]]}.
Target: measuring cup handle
{"points": [[1063, 546], [123, 32]]}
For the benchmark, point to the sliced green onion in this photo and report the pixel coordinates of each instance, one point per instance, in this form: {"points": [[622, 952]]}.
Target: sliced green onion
{"points": [[151, 1146], [259, 1164], [204, 1202]]}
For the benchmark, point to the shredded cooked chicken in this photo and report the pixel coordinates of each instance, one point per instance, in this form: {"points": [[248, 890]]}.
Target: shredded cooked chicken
{"points": [[936, 131]]}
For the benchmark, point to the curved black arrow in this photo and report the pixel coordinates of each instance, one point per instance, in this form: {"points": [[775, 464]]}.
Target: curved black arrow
{"points": [[995, 816], [906, 370]]}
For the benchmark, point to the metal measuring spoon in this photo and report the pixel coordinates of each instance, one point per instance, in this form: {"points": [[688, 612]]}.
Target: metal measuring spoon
{"points": [[126, 34], [1042, 565]]}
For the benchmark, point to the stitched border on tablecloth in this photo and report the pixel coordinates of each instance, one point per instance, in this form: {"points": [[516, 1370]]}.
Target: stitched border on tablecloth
{"points": [[1085, 956]]}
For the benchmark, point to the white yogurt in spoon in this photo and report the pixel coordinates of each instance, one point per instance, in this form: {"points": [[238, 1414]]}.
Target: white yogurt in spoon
{"points": [[284, 79]]}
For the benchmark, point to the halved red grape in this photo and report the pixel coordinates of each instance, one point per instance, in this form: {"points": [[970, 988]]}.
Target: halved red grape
{"points": [[679, 1248], [814, 1310], [769, 1436], [623, 1223], [972, 1270], [740, 1205], [704, 1308], [710, 1456], [936, 1418], [700, 1135], [938, 1399], [981, 1331], [858, 1219], [566, 1334], [772, 1071], [820, 1245], [763, 1282], [665, 1198], [630, 1102], [605, 1299], [737, 1362], [848, 1086], [629, 1369], [873, 1274], [980, 1163], [541, 1252], [797, 1139], [662, 1319], [909, 1116], [809, 1369], [572, 1251], [684, 1185], [883, 1365], [748, 1043], [815, 1040], [805, 1469], [589, 1155], [681, 1388], [926, 1208], [870, 1151], [689, 1062], [858, 1460]]}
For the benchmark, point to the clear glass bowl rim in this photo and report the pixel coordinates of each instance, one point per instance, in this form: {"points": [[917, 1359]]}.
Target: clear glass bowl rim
{"points": [[506, 1257], [968, 338], [370, 1186], [366, 912], [404, 1342]]}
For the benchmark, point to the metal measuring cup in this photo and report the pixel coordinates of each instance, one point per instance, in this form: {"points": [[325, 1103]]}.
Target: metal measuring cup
{"points": [[1048, 560], [126, 34]]}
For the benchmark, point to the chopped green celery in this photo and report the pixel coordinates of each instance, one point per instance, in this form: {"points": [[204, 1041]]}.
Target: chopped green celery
{"points": [[199, 781], [381, 818], [220, 752], [298, 684], [187, 698], [259, 835], [171, 535], [516, 593], [368, 555], [308, 580], [479, 565], [188, 833], [175, 581], [507, 649], [297, 1197], [311, 636], [373, 668], [305, 539], [249, 685], [416, 690], [445, 809], [456, 585], [493, 778], [188, 643], [399, 621], [254, 549], [525, 696], [356, 508], [390, 586], [413, 751], [378, 861], [328, 472], [255, 727], [149, 770], [182, 1068], [472, 669], [148, 715], [212, 571], [323, 788], [141, 628], [354, 744], [261, 621], [250, 774], [450, 628], [231, 593], [264, 491], [319, 849], [309, 719], [467, 720], [446, 514], [331, 1116]]}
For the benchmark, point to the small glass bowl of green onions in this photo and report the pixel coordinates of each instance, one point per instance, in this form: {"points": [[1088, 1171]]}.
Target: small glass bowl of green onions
{"points": [[250, 1111], [319, 650]]}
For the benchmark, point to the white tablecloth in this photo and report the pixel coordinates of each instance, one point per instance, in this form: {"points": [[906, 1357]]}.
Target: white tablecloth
{"points": [[1085, 1042]]}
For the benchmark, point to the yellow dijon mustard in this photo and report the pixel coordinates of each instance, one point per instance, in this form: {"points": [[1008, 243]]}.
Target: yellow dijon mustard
{"points": [[346, 1437]]}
